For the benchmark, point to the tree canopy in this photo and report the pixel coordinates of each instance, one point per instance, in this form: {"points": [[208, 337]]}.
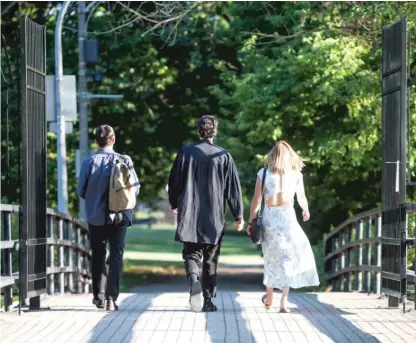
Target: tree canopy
{"points": [[306, 72]]}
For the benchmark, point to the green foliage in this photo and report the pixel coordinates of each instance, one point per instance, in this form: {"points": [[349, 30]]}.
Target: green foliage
{"points": [[307, 72], [319, 90]]}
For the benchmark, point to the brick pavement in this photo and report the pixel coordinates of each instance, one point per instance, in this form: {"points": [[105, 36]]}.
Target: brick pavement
{"points": [[165, 317]]}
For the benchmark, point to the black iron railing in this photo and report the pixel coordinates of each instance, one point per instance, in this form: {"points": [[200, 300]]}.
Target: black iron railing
{"points": [[353, 250], [68, 254], [354, 259]]}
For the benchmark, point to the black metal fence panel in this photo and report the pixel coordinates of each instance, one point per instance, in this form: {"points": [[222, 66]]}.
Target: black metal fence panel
{"points": [[33, 229]]}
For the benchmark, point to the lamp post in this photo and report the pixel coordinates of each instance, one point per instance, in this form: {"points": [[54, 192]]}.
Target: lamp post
{"points": [[82, 88], [60, 119]]}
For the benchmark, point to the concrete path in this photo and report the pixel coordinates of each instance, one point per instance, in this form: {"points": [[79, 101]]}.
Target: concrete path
{"points": [[165, 317]]}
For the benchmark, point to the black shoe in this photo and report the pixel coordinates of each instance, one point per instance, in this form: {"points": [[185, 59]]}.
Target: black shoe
{"points": [[209, 306], [195, 299], [99, 303], [111, 305]]}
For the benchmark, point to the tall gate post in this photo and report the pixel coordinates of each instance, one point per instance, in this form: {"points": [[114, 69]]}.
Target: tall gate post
{"points": [[33, 233], [394, 102]]}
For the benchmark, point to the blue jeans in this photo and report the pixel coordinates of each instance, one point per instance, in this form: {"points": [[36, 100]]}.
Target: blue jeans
{"points": [[105, 285]]}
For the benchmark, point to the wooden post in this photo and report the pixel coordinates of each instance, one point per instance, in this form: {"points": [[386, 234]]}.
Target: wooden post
{"points": [[368, 257], [78, 259], [378, 255], [348, 275], [359, 251], [342, 277], [70, 259], [7, 262], [61, 257], [51, 281], [342, 263]]}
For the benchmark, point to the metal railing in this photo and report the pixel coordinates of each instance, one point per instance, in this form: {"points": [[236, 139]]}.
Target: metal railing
{"points": [[68, 253], [353, 251]]}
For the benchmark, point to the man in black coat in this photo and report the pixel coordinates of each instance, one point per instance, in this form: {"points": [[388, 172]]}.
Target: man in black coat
{"points": [[202, 181]]}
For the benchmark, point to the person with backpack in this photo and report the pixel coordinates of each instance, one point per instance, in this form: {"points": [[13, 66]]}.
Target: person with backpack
{"points": [[109, 184], [203, 179]]}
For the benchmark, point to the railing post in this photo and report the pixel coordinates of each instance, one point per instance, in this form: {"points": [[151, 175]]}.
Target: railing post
{"points": [[342, 263], [336, 265], [368, 257], [78, 259], [378, 254], [84, 240], [348, 261], [359, 275], [61, 257], [70, 259], [7, 262], [51, 285], [348, 274]]}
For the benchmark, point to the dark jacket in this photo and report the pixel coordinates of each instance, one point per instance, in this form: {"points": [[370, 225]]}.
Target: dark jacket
{"points": [[202, 180]]}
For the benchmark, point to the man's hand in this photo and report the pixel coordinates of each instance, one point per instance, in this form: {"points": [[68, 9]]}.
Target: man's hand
{"points": [[239, 224], [175, 211], [306, 215], [248, 230]]}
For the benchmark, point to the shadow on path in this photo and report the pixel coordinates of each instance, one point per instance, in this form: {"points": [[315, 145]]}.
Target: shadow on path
{"points": [[166, 317], [328, 319]]}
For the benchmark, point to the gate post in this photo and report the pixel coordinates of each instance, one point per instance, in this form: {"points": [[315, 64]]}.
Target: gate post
{"points": [[33, 227], [394, 182]]}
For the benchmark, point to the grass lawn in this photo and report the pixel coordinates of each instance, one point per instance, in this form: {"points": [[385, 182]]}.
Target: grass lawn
{"points": [[154, 255]]}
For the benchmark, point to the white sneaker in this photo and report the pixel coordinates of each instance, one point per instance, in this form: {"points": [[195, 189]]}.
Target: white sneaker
{"points": [[195, 299]]}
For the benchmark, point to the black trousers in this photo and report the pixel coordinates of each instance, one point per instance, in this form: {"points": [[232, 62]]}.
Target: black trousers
{"points": [[195, 254], [105, 285]]}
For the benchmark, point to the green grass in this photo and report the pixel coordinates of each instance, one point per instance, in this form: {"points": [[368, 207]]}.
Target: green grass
{"points": [[145, 215], [154, 255], [162, 239]]}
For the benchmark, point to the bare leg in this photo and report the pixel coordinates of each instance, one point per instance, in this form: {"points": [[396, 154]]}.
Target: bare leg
{"points": [[285, 293], [269, 299]]}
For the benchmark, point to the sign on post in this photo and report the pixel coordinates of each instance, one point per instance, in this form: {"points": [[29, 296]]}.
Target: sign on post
{"points": [[53, 127], [69, 98]]}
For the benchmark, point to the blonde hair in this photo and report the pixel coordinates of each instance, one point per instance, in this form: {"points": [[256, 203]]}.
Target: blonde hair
{"points": [[283, 159]]}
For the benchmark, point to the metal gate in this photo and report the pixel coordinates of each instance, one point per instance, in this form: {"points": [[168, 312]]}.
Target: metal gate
{"points": [[394, 108], [33, 127]]}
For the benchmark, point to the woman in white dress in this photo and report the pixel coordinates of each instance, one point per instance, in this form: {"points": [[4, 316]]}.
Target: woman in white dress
{"points": [[288, 257]]}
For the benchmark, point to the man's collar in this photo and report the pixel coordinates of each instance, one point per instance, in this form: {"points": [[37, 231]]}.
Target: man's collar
{"points": [[209, 140], [107, 149]]}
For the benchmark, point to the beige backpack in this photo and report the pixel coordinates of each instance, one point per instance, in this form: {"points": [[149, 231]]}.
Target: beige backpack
{"points": [[122, 195]]}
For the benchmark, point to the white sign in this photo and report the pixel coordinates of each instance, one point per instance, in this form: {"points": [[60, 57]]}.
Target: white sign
{"points": [[69, 98], [53, 127]]}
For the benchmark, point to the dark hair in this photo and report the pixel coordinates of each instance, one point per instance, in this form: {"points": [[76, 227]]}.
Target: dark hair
{"points": [[102, 135], [207, 127]]}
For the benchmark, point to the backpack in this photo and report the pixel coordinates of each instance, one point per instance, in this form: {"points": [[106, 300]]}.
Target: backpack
{"points": [[122, 195]]}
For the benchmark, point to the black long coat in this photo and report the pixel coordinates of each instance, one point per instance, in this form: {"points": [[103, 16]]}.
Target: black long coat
{"points": [[202, 181]]}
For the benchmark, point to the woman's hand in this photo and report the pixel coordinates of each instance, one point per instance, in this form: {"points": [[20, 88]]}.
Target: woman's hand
{"points": [[306, 215], [248, 230]]}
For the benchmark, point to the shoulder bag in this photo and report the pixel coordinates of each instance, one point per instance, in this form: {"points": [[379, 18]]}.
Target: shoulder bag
{"points": [[256, 231]]}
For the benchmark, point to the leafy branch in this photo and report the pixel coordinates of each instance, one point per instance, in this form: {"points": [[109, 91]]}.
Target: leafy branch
{"points": [[276, 38]]}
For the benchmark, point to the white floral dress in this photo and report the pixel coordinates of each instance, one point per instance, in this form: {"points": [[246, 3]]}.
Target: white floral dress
{"points": [[288, 256]]}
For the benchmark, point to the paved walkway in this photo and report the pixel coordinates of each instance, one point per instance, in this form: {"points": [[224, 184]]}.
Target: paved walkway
{"points": [[164, 317]]}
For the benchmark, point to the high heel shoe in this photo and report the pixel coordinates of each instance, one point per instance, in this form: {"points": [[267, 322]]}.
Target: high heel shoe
{"points": [[263, 299]]}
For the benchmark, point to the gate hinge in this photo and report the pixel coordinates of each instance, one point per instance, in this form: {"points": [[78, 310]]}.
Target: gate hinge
{"points": [[23, 245]]}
